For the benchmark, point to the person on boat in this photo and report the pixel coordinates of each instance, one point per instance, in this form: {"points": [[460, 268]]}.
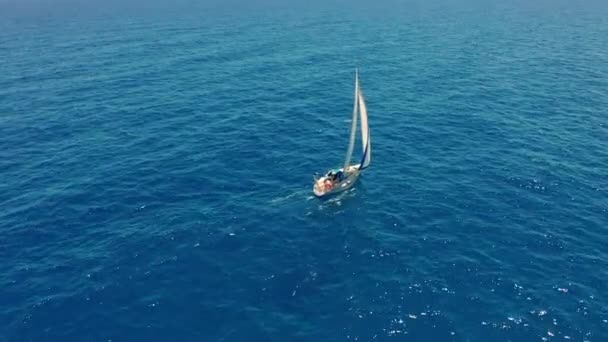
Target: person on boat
{"points": [[335, 176], [328, 183], [339, 176]]}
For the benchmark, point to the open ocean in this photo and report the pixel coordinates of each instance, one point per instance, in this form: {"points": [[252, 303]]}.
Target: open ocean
{"points": [[156, 165]]}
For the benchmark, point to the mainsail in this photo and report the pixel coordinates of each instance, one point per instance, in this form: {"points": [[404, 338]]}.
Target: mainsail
{"points": [[360, 108], [366, 140], [353, 127]]}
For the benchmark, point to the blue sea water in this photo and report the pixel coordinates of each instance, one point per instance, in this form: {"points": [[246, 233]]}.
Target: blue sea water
{"points": [[156, 165]]}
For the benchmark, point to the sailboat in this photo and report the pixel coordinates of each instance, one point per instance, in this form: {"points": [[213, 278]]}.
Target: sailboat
{"points": [[338, 180]]}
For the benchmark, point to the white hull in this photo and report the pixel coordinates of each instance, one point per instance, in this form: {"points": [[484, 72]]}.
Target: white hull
{"points": [[320, 188]]}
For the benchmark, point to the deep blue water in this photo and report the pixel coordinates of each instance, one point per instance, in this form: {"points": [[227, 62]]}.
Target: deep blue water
{"points": [[156, 167]]}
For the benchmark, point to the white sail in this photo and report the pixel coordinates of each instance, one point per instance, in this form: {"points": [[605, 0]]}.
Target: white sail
{"points": [[366, 141], [353, 127]]}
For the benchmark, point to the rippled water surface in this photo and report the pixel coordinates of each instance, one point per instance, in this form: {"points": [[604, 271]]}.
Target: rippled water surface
{"points": [[156, 167]]}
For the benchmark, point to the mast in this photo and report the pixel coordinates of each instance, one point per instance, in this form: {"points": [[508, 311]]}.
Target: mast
{"points": [[353, 128]]}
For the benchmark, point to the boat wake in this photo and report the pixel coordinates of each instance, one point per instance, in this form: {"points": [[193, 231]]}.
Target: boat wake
{"points": [[297, 194]]}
